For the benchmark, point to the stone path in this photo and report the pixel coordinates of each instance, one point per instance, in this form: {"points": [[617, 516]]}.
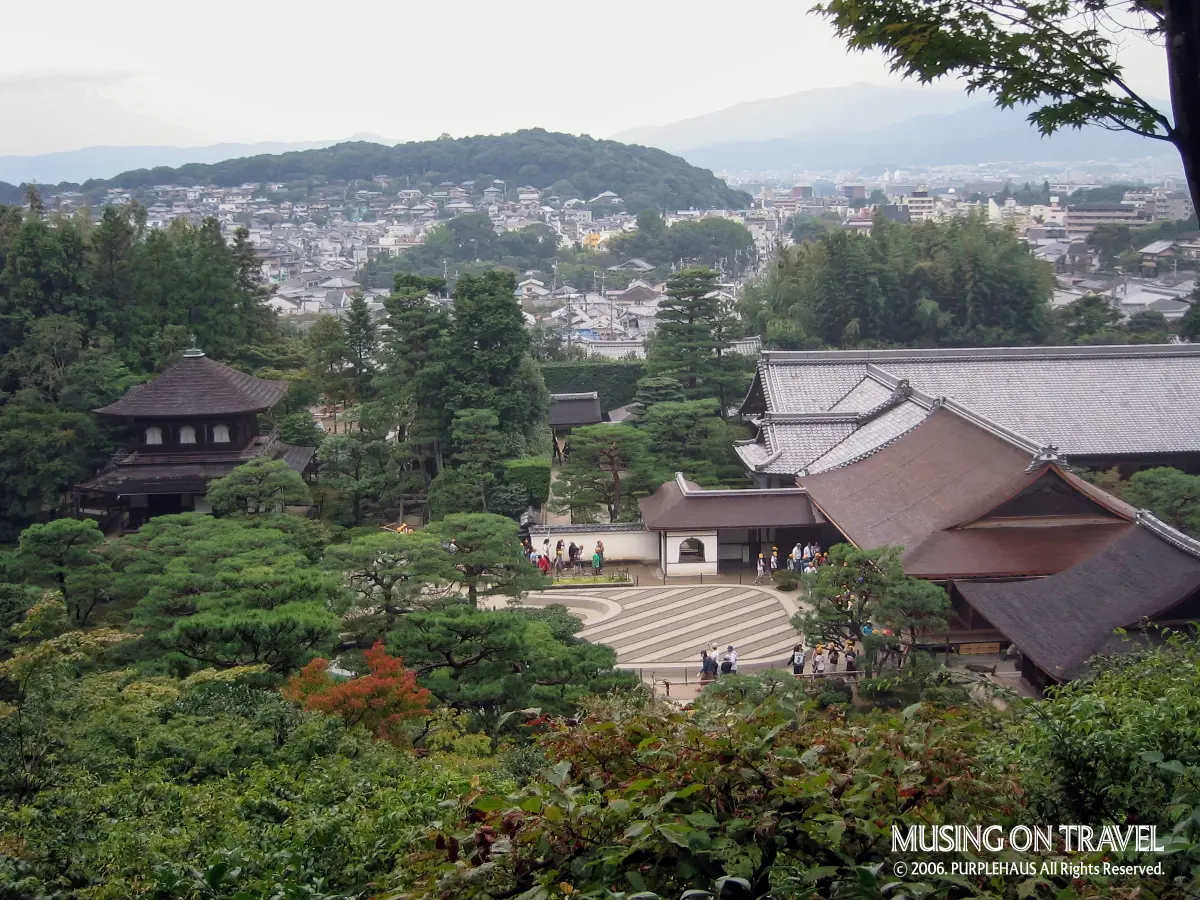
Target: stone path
{"points": [[661, 630]]}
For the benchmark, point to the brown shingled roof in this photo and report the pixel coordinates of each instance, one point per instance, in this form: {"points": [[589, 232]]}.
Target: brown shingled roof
{"points": [[680, 505], [1061, 621], [1003, 552], [930, 493], [198, 386]]}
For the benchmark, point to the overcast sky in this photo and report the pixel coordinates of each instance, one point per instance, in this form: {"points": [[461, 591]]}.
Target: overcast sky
{"points": [[76, 73]]}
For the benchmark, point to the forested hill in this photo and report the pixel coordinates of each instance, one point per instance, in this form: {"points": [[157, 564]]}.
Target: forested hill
{"points": [[643, 176]]}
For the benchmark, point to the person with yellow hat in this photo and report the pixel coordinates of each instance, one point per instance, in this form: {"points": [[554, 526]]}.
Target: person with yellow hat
{"points": [[818, 661], [761, 575]]}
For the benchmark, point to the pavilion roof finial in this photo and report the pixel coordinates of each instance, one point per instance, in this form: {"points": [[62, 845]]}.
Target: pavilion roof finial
{"points": [[193, 351]]}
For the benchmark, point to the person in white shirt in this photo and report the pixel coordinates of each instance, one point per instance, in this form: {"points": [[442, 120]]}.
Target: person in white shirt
{"points": [[731, 655]]}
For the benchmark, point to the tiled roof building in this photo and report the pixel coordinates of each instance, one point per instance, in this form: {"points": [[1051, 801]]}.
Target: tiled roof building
{"points": [[1098, 405]]}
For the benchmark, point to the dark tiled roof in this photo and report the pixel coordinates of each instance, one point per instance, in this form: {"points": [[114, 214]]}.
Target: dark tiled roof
{"points": [[949, 472], [297, 458], [575, 409], [191, 473], [198, 386], [1061, 621], [189, 478], [681, 505]]}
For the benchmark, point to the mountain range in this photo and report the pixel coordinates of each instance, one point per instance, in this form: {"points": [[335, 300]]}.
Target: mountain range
{"points": [[107, 161], [570, 165], [814, 113], [868, 126]]}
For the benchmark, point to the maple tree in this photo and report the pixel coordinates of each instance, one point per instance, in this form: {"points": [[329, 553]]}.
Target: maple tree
{"points": [[378, 702]]}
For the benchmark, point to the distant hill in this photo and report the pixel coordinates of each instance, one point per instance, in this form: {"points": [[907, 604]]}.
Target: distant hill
{"points": [[105, 162], [643, 176], [810, 114], [979, 133]]}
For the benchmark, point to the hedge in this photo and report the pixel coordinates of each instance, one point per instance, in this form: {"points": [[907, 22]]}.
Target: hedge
{"points": [[615, 379], [531, 473]]}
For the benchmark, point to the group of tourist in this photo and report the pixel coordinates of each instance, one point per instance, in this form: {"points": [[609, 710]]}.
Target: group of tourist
{"points": [[823, 659], [711, 669], [564, 557], [803, 560]]}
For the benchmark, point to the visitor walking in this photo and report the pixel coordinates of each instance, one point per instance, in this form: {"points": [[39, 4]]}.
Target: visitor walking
{"points": [[761, 575], [708, 668], [731, 657], [798, 660], [573, 558], [833, 658], [600, 554], [818, 661], [597, 561]]}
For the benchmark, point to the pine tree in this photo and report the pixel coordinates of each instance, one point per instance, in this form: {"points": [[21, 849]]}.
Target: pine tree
{"points": [[684, 346]]}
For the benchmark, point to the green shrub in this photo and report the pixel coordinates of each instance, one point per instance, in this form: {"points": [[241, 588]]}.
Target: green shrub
{"points": [[615, 379], [878, 686], [786, 579], [522, 763], [945, 695], [833, 698], [533, 474], [508, 500]]}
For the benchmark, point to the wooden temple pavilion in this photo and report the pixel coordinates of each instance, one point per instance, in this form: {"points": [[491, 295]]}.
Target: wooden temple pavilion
{"points": [[195, 422]]}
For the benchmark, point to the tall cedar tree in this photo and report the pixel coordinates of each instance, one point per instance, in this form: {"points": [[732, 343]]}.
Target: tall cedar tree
{"points": [[360, 331], [489, 341], [414, 351]]}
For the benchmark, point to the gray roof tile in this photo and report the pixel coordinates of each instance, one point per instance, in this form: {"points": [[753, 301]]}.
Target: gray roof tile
{"points": [[875, 434], [864, 396], [810, 388], [1084, 400]]}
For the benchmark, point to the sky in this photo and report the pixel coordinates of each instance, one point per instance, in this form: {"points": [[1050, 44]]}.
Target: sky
{"points": [[76, 73]]}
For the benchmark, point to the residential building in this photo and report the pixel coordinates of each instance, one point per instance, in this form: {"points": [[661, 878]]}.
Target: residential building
{"points": [[920, 205], [1082, 218]]}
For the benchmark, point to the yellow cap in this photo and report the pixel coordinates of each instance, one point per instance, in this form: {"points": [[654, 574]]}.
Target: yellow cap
{"points": [[760, 556]]}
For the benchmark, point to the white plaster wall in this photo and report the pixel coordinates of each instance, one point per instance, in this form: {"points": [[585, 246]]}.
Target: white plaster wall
{"points": [[619, 546], [675, 567]]}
